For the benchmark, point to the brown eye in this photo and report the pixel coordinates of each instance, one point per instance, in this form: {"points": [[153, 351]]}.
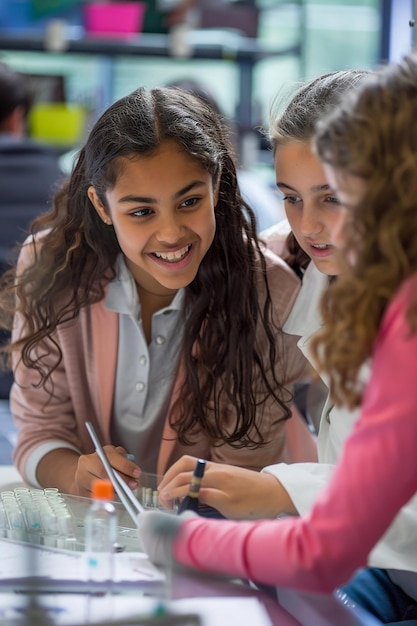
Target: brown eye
{"points": [[292, 199], [141, 212], [333, 200], [190, 202]]}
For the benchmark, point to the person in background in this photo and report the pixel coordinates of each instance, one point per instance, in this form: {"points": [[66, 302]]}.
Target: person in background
{"points": [[29, 172], [144, 303], [350, 512]]}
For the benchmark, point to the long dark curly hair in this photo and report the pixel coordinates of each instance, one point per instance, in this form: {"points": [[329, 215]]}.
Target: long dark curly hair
{"points": [[223, 306], [373, 136]]}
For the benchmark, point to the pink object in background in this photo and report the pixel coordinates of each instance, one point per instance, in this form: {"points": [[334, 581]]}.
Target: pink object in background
{"points": [[121, 20]]}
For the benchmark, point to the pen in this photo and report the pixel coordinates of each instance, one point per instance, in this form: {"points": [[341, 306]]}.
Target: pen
{"points": [[190, 502], [129, 500]]}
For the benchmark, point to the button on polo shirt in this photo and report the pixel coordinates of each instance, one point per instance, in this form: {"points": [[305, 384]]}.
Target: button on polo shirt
{"points": [[145, 373]]}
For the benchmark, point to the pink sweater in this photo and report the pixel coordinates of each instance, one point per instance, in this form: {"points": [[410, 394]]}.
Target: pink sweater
{"points": [[376, 476]]}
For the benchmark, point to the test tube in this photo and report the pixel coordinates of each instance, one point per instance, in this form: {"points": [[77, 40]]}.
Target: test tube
{"points": [[49, 527], [16, 522], [148, 497], [3, 521]]}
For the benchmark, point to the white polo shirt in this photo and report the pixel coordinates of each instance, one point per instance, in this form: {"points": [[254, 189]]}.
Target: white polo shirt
{"points": [[145, 373]]}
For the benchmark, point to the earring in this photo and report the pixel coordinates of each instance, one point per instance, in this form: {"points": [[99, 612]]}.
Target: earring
{"points": [[107, 222]]}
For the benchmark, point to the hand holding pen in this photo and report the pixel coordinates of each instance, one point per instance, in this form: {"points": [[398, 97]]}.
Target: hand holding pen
{"points": [[191, 501], [235, 491]]}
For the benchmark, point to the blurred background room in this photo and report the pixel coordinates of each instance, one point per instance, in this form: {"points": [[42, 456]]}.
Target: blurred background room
{"points": [[244, 51]]}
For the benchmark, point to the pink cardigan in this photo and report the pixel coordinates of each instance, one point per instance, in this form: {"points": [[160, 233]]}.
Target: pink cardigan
{"points": [[376, 476], [84, 386]]}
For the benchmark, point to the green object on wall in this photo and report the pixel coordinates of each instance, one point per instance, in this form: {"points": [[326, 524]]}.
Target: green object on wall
{"points": [[43, 8], [155, 20]]}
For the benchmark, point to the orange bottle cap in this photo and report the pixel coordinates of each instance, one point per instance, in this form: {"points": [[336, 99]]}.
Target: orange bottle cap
{"points": [[102, 490]]}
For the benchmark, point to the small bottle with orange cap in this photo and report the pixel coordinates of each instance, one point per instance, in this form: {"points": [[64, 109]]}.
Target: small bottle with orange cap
{"points": [[100, 529]]}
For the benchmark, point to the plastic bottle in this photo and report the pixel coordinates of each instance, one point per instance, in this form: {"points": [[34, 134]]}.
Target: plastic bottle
{"points": [[100, 527]]}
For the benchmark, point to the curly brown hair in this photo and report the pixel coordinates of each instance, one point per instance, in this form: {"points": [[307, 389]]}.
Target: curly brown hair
{"points": [[373, 136]]}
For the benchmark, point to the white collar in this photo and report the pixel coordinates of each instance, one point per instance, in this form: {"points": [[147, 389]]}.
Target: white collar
{"points": [[304, 318], [122, 295]]}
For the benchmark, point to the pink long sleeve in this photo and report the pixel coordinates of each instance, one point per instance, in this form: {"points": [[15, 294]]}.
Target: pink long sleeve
{"points": [[376, 476]]}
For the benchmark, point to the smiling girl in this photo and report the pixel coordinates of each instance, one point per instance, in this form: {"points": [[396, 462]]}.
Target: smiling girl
{"points": [[146, 306]]}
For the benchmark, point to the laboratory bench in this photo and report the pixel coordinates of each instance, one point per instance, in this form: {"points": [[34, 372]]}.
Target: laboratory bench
{"points": [[292, 608]]}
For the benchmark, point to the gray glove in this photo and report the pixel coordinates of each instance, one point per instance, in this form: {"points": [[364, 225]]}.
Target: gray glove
{"points": [[157, 531]]}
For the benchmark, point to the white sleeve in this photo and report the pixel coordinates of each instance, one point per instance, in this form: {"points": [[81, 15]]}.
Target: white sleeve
{"points": [[302, 481]]}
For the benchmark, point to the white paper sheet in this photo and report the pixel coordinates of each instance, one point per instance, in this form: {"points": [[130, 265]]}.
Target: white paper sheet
{"points": [[20, 560]]}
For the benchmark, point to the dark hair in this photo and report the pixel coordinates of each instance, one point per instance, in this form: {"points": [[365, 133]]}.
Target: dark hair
{"points": [[295, 121], [198, 89], [78, 254], [371, 135], [14, 92]]}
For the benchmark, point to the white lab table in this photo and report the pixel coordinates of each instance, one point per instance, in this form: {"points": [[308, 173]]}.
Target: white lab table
{"points": [[292, 609]]}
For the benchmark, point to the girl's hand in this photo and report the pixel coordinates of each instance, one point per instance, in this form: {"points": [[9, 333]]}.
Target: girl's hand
{"points": [[236, 492], [90, 467]]}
